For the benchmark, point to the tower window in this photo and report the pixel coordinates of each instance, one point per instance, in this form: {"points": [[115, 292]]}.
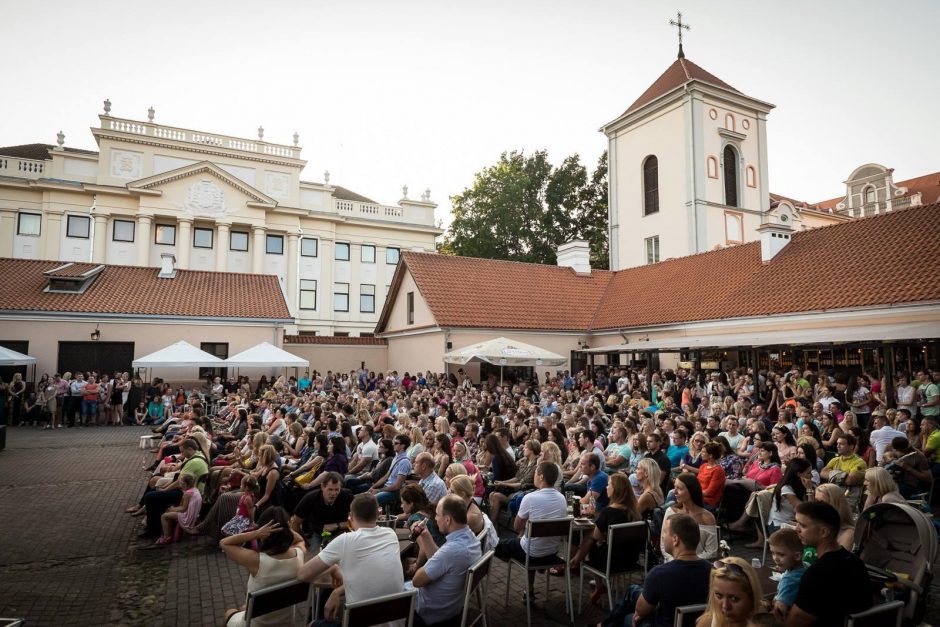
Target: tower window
{"points": [[650, 185], [730, 163]]}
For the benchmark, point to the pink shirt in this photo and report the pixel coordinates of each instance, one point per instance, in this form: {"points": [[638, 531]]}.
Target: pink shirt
{"points": [[765, 476]]}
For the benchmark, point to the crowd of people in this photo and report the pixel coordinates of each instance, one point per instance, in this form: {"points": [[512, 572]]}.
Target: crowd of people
{"points": [[336, 461]]}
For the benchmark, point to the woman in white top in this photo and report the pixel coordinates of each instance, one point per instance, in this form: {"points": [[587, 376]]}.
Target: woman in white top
{"points": [[688, 493], [881, 487], [280, 556]]}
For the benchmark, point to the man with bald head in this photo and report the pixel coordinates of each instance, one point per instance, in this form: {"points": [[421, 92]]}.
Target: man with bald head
{"points": [[433, 485]]}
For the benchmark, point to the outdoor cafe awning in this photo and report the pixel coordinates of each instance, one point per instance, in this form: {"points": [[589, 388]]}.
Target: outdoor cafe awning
{"points": [[505, 352], [783, 339]]}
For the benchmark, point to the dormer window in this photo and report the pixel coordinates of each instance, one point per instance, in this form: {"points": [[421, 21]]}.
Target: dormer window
{"points": [[72, 278]]}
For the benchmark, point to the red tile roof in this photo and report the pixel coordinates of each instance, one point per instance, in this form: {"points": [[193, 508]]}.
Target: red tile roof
{"points": [[335, 340], [877, 261], [137, 290], [72, 269], [679, 73], [470, 292], [928, 185]]}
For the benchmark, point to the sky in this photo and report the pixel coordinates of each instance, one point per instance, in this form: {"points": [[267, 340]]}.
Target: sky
{"points": [[426, 94]]}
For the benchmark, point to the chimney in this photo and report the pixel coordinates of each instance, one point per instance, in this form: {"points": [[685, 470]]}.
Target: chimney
{"points": [[773, 239], [167, 266], [576, 255]]}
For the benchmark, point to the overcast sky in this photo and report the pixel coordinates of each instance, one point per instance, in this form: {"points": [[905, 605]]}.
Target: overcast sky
{"points": [[393, 92]]}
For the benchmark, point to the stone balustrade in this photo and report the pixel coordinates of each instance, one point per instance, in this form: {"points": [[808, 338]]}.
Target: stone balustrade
{"points": [[390, 213], [22, 168]]}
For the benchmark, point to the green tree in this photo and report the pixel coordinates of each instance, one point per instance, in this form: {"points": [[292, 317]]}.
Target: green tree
{"points": [[522, 208]]}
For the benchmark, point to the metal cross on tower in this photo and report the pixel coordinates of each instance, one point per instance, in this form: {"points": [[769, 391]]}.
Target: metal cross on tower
{"points": [[679, 26]]}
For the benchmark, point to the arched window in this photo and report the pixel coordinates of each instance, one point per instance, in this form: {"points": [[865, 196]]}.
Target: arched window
{"points": [[871, 195], [650, 185], [712, 167], [750, 176], [729, 122], [730, 163]]}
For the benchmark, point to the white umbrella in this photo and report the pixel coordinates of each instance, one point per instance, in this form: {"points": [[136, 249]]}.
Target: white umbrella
{"points": [[266, 354], [10, 357], [505, 352], [179, 355]]}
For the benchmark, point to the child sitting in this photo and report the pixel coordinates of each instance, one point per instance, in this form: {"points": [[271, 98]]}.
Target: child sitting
{"points": [[244, 518], [186, 514], [140, 414], [787, 552]]}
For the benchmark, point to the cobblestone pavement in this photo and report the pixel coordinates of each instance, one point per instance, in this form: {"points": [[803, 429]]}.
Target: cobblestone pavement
{"points": [[69, 554]]}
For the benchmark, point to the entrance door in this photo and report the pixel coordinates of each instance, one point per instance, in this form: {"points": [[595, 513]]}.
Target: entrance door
{"points": [[109, 357]]}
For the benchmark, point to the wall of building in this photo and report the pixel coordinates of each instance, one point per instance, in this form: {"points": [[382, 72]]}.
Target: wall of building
{"points": [[323, 357]]}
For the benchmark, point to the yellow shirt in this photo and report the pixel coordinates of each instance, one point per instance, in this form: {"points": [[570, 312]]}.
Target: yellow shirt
{"points": [[933, 443], [850, 464]]}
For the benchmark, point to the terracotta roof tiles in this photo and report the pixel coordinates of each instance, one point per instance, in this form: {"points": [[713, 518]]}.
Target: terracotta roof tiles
{"points": [[72, 269], [138, 291], [679, 73], [335, 340]]}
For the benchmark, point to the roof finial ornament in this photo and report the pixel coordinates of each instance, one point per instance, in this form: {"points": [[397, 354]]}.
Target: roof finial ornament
{"points": [[261, 132], [326, 177], [60, 140], [296, 138], [679, 26], [150, 114], [404, 192], [107, 106]]}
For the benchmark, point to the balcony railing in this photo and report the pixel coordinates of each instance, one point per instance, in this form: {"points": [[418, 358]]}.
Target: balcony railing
{"points": [[391, 213], [22, 168], [134, 127]]}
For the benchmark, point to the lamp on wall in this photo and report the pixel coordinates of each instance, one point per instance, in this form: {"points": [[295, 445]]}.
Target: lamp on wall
{"points": [[96, 334]]}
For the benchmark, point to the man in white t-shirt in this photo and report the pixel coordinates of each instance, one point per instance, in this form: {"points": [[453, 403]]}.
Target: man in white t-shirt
{"points": [[546, 502], [366, 560], [882, 433], [732, 435], [366, 452]]}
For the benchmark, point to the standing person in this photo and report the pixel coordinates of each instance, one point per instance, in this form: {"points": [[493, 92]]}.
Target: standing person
{"points": [[682, 581], [47, 402], [117, 400], [928, 396], [836, 584], [61, 396], [734, 595], [76, 389], [365, 562], [90, 402], [17, 396], [440, 582]]}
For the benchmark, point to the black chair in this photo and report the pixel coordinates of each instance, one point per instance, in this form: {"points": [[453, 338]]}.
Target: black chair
{"points": [[686, 615], [547, 528], [384, 609], [477, 577], [885, 615], [277, 597], [619, 540]]}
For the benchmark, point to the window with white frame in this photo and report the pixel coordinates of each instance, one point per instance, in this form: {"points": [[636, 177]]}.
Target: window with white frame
{"points": [[165, 234], [123, 230], [341, 297], [309, 247], [78, 226], [652, 249], [202, 238], [342, 251], [367, 253], [392, 255], [308, 294], [28, 223], [367, 298]]}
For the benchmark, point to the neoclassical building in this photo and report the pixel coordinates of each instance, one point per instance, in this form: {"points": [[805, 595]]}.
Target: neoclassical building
{"points": [[218, 203]]}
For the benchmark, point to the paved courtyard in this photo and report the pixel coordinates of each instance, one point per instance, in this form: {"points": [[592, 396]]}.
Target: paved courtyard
{"points": [[69, 554]]}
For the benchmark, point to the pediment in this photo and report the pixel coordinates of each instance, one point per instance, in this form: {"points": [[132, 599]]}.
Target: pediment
{"points": [[200, 192]]}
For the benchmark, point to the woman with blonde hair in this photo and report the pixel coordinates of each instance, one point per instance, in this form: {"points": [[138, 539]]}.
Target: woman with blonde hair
{"points": [[734, 595], [416, 444], [881, 487], [835, 495], [649, 477]]}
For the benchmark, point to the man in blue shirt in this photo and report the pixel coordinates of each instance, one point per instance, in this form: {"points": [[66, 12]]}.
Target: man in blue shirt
{"points": [[304, 383], [597, 481], [386, 489], [679, 448], [440, 582]]}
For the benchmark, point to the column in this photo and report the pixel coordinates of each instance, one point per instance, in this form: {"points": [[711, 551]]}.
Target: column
{"points": [[7, 231], [52, 236], [222, 240], [258, 249], [144, 235], [184, 244], [292, 261], [99, 253]]}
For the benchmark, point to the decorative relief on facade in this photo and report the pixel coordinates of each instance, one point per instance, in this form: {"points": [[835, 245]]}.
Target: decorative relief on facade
{"points": [[205, 199], [125, 164], [277, 184]]}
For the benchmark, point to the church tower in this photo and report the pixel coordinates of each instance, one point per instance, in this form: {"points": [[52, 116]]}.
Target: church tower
{"points": [[688, 168]]}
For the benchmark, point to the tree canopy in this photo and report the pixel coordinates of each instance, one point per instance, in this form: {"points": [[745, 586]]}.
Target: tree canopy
{"points": [[522, 208]]}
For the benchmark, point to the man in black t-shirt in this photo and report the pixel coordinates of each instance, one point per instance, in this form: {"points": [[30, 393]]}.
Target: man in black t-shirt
{"points": [[326, 509], [837, 583], [656, 447]]}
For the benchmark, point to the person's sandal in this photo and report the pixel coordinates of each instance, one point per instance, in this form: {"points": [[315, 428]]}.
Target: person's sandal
{"points": [[164, 540]]}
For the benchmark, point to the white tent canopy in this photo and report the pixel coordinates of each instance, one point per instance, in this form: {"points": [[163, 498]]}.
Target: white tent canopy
{"points": [[266, 354], [505, 352], [12, 358], [179, 355]]}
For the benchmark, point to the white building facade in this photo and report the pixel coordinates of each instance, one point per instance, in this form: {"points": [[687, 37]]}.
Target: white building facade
{"points": [[217, 203]]}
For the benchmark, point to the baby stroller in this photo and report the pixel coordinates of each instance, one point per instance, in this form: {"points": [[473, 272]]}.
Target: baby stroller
{"points": [[896, 539]]}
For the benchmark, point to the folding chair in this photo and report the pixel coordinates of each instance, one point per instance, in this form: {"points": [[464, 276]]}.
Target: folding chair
{"points": [[384, 609], [619, 538], [277, 597], [762, 529], [546, 528], [477, 578], [886, 615], [686, 615]]}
